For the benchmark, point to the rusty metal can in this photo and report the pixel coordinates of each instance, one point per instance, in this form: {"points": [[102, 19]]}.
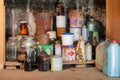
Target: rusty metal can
{"points": [[68, 53]]}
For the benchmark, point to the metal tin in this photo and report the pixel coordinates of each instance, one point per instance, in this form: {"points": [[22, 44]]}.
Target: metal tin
{"points": [[68, 53], [67, 39], [76, 31], [56, 63]]}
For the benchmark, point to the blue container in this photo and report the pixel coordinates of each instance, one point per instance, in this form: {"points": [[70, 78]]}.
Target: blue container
{"points": [[111, 63]]}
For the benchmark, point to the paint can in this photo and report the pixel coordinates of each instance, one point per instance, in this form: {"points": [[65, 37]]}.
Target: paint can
{"points": [[67, 39], [68, 53], [76, 31], [56, 63]]}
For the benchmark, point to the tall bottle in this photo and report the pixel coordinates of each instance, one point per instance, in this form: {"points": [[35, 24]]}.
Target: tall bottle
{"points": [[60, 19], [94, 45]]}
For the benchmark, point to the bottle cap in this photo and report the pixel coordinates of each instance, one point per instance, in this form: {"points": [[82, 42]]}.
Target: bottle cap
{"points": [[113, 41]]}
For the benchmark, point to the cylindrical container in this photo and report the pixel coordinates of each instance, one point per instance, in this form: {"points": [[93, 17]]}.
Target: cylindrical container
{"points": [[22, 54], [12, 49], [85, 33], [67, 39], [28, 66], [76, 18], [96, 34], [68, 53], [56, 63], [43, 61], [33, 54], [111, 66], [43, 22], [60, 31], [58, 48], [24, 28], [43, 39], [52, 34], [88, 50], [27, 43], [76, 31]]}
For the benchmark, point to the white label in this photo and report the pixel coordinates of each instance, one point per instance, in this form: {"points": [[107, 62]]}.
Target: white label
{"points": [[88, 52], [60, 21], [56, 64], [58, 50]]}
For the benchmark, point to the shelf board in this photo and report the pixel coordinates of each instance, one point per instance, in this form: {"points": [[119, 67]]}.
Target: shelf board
{"points": [[78, 62]]}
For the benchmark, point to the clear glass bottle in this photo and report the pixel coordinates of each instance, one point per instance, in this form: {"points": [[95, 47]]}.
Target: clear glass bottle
{"points": [[11, 49]]}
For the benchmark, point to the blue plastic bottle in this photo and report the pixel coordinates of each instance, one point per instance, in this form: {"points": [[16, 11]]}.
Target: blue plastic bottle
{"points": [[111, 66]]}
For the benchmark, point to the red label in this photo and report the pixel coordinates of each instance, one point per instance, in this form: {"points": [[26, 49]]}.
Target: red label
{"points": [[71, 53]]}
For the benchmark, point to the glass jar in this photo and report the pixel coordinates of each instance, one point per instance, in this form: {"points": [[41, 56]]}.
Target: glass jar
{"points": [[22, 54], [11, 49], [24, 28], [27, 43]]}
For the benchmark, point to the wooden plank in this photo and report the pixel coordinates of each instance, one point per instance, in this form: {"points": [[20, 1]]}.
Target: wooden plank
{"points": [[78, 62], [2, 34], [113, 19], [8, 63], [13, 65]]}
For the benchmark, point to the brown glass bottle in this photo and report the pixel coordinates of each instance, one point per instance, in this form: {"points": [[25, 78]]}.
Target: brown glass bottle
{"points": [[43, 61], [60, 19], [24, 28], [94, 45]]}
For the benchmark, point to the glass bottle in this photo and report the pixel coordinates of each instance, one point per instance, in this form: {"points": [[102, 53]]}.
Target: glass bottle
{"points": [[43, 61], [94, 45], [11, 49], [60, 19], [24, 28]]}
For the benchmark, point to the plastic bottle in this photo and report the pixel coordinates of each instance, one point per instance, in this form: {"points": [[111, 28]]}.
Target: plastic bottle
{"points": [[111, 66]]}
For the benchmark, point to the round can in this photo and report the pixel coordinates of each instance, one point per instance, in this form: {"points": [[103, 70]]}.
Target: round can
{"points": [[76, 31], [68, 53], [67, 39], [56, 63]]}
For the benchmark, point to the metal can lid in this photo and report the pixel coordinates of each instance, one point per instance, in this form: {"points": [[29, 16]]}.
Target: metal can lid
{"points": [[67, 33], [72, 46], [23, 21]]}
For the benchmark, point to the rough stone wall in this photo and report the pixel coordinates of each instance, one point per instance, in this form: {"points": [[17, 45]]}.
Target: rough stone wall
{"points": [[20, 6]]}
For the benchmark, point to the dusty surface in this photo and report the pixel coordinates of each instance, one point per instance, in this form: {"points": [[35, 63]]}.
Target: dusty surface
{"points": [[68, 74]]}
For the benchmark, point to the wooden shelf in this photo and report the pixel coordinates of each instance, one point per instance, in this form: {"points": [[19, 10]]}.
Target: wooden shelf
{"points": [[78, 62]]}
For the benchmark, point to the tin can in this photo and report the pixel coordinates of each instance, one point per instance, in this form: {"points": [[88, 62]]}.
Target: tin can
{"points": [[56, 63], [76, 31], [67, 39], [68, 53]]}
